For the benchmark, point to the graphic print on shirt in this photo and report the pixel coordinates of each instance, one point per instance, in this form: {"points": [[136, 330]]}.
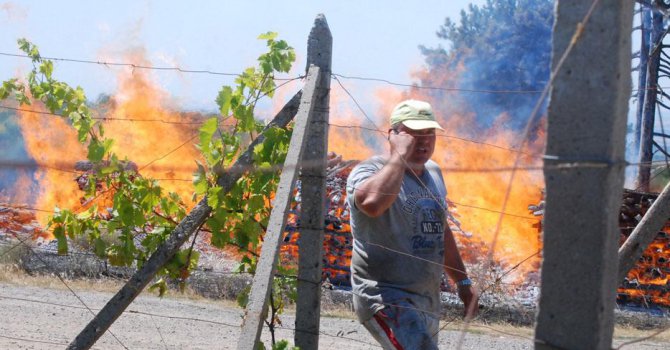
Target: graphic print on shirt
{"points": [[428, 222]]}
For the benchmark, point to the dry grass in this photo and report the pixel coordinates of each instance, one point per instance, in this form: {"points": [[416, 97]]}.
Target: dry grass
{"points": [[339, 313], [11, 274]]}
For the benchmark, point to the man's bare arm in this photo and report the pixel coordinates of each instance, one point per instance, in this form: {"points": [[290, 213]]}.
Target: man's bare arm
{"points": [[376, 194], [455, 268]]}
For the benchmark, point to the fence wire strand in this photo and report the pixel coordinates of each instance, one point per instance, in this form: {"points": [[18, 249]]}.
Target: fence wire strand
{"points": [[563, 164], [639, 340], [73, 292], [413, 85], [130, 65], [32, 340], [134, 312]]}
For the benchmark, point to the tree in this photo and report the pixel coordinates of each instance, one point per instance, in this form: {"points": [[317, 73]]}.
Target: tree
{"points": [[504, 45]]}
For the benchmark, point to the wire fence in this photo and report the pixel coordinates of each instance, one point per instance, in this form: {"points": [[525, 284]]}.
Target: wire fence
{"points": [[67, 286], [413, 85], [338, 335], [455, 169], [322, 333], [516, 266], [519, 152], [182, 318]]}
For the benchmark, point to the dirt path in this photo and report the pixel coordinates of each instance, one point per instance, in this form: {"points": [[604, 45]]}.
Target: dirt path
{"points": [[43, 318]]}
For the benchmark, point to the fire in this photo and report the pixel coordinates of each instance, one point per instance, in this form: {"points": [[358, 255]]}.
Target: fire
{"points": [[479, 195], [162, 148], [337, 240], [21, 189], [345, 135], [647, 282], [53, 144]]}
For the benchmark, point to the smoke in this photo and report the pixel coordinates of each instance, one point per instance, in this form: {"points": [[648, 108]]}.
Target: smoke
{"points": [[13, 12], [14, 153], [504, 47], [632, 153]]}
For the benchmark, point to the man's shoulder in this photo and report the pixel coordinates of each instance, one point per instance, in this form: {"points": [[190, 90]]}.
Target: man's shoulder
{"points": [[374, 162], [434, 170], [431, 164]]}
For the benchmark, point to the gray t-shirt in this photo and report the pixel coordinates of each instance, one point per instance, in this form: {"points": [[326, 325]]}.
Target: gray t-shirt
{"points": [[392, 253]]}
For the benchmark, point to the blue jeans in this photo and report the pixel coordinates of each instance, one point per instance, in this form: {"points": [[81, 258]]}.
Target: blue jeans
{"points": [[401, 326]]}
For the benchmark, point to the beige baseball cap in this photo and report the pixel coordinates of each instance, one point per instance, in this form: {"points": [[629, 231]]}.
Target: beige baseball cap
{"points": [[414, 114]]}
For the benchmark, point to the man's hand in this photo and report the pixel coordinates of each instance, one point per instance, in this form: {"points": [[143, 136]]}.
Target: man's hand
{"points": [[402, 143], [469, 296]]}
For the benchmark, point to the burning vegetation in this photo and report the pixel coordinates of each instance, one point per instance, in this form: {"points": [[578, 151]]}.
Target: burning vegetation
{"points": [[146, 128], [649, 281], [20, 222], [337, 242]]}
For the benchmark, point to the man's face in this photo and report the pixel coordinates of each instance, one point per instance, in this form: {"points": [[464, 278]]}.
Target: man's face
{"points": [[424, 146]]}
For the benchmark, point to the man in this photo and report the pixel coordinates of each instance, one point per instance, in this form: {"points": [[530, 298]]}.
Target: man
{"points": [[402, 242]]}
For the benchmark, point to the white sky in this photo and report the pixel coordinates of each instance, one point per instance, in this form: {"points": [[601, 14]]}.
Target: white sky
{"points": [[371, 38]]}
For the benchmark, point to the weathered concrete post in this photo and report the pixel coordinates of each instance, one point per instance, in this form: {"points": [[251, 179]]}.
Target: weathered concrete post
{"points": [[256, 310], [587, 122], [313, 191]]}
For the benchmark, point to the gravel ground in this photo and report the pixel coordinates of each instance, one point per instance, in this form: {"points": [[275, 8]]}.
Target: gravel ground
{"points": [[43, 318]]}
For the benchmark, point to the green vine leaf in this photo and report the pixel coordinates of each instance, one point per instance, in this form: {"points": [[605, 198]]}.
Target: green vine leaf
{"points": [[268, 36], [224, 100]]}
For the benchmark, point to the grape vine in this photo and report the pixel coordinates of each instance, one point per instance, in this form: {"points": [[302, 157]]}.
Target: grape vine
{"points": [[143, 214]]}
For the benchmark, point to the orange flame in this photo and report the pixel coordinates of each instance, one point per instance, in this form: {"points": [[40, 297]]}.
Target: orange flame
{"points": [[162, 148], [345, 137], [650, 274], [53, 144], [479, 195]]}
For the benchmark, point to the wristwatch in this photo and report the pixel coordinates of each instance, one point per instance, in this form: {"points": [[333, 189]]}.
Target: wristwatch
{"points": [[463, 283]]}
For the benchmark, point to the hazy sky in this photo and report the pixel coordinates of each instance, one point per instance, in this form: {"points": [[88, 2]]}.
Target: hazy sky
{"points": [[371, 38]]}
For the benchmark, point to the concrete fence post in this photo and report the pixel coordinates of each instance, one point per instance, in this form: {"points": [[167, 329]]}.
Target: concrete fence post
{"points": [[313, 192], [586, 137], [267, 263]]}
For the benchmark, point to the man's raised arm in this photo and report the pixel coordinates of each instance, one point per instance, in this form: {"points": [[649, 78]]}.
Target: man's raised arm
{"points": [[376, 194]]}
